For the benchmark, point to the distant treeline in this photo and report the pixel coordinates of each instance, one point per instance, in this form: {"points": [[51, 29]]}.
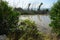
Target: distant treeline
{"points": [[32, 12]]}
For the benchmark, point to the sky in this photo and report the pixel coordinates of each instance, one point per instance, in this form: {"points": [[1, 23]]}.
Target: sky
{"points": [[34, 3]]}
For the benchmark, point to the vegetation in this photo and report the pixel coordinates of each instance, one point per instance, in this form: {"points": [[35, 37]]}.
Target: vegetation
{"points": [[55, 17], [8, 18], [31, 11], [30, 30], [26, 29]]}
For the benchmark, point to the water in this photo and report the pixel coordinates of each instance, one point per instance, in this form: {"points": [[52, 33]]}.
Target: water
{"points": [[42, 21]]}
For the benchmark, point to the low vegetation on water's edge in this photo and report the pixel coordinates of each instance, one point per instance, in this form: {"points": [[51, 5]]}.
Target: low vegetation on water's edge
{"points": [[32, 12]]}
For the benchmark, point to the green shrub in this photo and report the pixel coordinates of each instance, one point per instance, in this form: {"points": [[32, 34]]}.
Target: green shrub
{"points": [[55, 17], [8, 18], [30, 30]]}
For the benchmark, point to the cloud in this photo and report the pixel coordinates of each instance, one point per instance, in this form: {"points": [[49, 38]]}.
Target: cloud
{"points": [[34, 3]]}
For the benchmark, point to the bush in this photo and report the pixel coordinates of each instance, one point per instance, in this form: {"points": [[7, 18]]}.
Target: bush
{"points": [[30, 30], [55, 17], [8, 18]]}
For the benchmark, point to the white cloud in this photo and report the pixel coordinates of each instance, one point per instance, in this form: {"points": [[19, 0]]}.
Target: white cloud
{"points": [[24, 3]]}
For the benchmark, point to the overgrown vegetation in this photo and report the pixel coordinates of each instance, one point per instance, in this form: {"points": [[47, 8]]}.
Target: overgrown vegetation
{"points": [[27, 29], [33, 12], [30, 30], [9, 19], [55, 17]]}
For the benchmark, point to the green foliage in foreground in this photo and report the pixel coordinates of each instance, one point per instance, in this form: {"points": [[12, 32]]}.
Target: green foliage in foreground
{"points": [[28, 31], [8, 18], [55, 17], [9, 25]]}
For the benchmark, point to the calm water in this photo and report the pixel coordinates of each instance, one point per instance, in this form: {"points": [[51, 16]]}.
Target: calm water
{"points": [[42, 21]]}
